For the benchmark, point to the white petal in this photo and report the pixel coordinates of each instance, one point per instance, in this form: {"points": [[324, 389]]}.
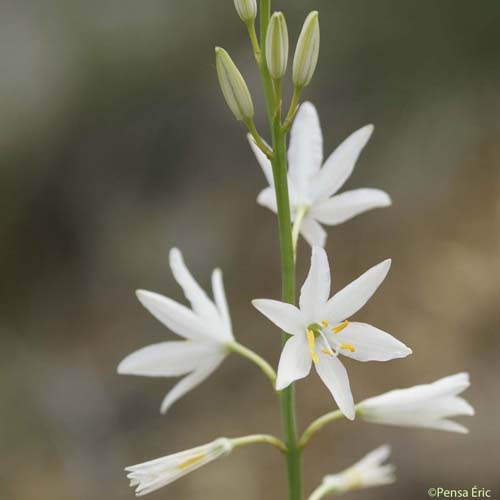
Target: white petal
{"points": [[295, 362], [263, 161], [221, 302], [267, 198], [370, 343], [191, 381], [375, 457], [446, 425], [175, 316], [166, 359], [355, 295], [305, 154], [285, 316], [312, 232], [347, 205], [334, 376], [199, 300], [339, 166], [316, 288]]}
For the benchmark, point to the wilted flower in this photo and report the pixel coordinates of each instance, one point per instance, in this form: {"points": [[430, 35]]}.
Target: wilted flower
{"points": [[320, 331], [153, 475], [233, 86], [366, 473], [429, 405], [312, 187], [277, 46], [307, 51], [206, 328], [247, 9]]}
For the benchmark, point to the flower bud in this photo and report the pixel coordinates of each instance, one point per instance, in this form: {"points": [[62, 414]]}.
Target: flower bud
{"points": [[233, 86], [307, 51], [277, 46], [247, 9]]}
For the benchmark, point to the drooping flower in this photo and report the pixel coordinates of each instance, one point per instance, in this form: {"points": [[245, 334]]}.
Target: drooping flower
{"points": [[366, 473], [429, 405], [206, 328], [320, 331], [153, 475], [312, 187]]}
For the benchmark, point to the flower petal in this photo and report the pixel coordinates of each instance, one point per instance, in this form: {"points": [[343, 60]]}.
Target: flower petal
{"points": [[267, 198], [166, 359], [312, 232], [316, 288], [221, 302], [263, 161], [355, 295], [345, 206], [199, 300], [445, 425], [295, 362], [370, 343], [339, 166], [305, 154], [191, 381], [334, 376], [285, 316], [173, 315]]}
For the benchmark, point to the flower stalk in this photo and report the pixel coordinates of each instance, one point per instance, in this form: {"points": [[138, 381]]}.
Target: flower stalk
{"points": [[252, 356]]}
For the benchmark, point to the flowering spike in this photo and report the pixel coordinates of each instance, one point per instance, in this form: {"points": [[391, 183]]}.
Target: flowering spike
{"points": [[233, 86], [277, 46], [247, 9], [307, 51]]}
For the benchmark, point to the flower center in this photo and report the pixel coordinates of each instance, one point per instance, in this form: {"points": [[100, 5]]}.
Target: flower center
{"points": [[316, 330]]}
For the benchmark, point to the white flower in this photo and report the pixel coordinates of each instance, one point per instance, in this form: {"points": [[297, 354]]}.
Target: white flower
{"points": [[366, 473], [311, 186], [277, 46], [306, 55], [153, 475], [429, 405], [320, 331], [247, 9], [206, 328]]}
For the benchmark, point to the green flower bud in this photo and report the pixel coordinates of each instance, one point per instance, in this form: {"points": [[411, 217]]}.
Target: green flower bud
{"points": [[233, 86], [277, 46], [247, 9], [307, 51]]}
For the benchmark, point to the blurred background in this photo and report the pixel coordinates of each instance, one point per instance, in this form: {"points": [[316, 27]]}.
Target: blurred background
{"points": [[116, 144]]}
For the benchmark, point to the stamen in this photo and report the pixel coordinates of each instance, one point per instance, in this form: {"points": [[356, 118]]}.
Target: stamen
{"points": [[348, 347], [311, 343], [340, 327], [325, 323], [327, 352], [190, 461]]}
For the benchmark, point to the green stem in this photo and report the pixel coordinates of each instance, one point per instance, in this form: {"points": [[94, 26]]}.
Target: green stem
{"points": [[258, 139], [259, 438], [294, 106], [254, 358], [287, 396], [317, 425], [252, 34]]}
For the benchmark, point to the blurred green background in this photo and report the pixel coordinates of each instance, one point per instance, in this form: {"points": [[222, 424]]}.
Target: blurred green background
{"points": [[115, 145]]}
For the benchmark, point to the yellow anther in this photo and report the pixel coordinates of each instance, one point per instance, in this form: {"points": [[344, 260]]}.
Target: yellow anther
{"points": [[340, 327], [190, 461], [324, 323], [348, 347], [327, 352], [311, 343]]}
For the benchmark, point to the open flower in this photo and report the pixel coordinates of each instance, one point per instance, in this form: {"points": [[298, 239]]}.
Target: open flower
{"points": [[153, 475], [206, 328], [311, 186], [320, 331], [366, 473], [429, 405]]}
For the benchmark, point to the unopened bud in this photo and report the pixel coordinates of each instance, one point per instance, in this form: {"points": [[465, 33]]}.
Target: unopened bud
{"points": [[277, 46], [233, 86], [307, 51], [247, 9]]}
